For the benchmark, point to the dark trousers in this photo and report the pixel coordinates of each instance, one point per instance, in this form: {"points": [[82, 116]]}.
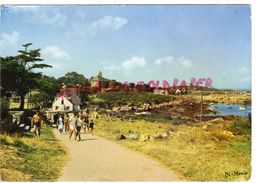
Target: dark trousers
{"points": [[78, 129]]}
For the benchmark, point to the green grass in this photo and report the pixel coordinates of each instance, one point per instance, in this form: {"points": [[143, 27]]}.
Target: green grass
{"points": [[193, 153], [132, 99], [31, 159], [243, 146]]}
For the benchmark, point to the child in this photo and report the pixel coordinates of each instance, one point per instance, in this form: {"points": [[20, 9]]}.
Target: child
{"points": [[78, 128], [91, 125], [86, 123]]}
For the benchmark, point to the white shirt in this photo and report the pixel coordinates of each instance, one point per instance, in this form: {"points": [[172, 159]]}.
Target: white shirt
{"points": [[79, 122], [60, 120], [72, 121]]}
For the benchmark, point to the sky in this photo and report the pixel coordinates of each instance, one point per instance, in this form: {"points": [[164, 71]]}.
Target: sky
{"points": [[136, 42]]}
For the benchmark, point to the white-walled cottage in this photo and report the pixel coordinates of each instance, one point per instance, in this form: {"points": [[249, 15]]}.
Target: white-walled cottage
{"points": [[66, 104]]}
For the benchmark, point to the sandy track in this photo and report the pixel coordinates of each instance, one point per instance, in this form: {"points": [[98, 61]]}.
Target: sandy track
{"points": [[98, 159]]}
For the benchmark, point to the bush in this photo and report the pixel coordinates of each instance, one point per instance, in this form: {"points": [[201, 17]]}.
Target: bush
{"points": [[240, 127], [4, 108], [132, 98], [178, 121], [26, 116]]}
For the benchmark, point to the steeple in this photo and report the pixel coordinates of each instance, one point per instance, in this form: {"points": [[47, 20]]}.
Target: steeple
{"points": [[100, 74]]}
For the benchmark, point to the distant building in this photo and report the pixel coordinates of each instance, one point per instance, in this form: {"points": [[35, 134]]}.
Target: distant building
{"points": [[66, 104], [99, 82], [178, 92]]}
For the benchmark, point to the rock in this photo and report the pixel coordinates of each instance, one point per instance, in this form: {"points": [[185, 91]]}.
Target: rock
{"points": [[133, 136], [228, 133], [120, 137], [218, 119], [171, 133], [21, 125], [205, 126], [158, 135], [151, 138], [164, 135], [144, 137]]}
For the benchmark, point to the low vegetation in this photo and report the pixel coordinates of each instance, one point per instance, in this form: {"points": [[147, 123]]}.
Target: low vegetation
{"points": [[25, 158], [227, 98], [121, 98], [194, 152]]}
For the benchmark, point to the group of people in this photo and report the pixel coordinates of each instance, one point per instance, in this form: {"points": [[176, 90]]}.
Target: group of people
{"points": [[68, 124], [76, 122]]}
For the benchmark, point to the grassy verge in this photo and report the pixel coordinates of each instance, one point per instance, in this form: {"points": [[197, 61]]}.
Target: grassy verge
{"points": [[191, 151], [29, 159]]}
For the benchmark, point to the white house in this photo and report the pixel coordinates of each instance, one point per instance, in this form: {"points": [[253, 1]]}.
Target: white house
{"points": [[62, 104]]}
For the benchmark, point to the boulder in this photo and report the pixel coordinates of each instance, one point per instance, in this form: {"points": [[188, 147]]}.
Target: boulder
{"points": [[171, 133], [205, 126], [151, 138], [133, 136], [164, 135], [144, 137], [120, 137], [218, 119], [157, 136]]}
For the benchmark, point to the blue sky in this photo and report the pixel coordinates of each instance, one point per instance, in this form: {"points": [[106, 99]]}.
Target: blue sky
{"points": [[133, 43]]}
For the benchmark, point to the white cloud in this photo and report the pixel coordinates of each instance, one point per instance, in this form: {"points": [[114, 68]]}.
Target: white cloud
{"points": [[246, 79], [133, 63], [164, 60], [57, 65], [36, 14], [185, 62], [111, 67], [127, 65], [244, 70], [55, 52], [56, 18], [81, 14], [9, 39], [19, 9], [115, 23]]}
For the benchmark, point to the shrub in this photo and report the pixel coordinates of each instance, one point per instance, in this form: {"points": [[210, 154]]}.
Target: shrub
{"points": [[4, 108], [240, 127]]}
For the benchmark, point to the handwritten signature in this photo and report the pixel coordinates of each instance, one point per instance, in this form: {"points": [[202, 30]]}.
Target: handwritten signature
{"points": [[235, 173]]}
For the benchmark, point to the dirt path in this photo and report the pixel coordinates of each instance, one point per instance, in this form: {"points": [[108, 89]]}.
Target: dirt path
{"points": [[98, 159]]}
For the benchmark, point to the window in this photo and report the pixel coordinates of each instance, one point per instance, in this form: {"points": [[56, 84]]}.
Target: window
{"points": [[67, 107], [56, 107]]}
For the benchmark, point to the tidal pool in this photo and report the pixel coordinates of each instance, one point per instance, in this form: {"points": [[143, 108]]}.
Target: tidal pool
{"points": [[226, 109]]}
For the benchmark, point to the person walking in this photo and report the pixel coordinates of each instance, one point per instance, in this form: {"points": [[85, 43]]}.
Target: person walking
{"points": [[86, 122], [66, 123], [36, 123], [60, 124], [72, 124], [91, 126], [94, 116], [78, 127]]}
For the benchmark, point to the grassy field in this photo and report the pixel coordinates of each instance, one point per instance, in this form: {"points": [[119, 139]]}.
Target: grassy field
{"points": [[29, 159], [195, 153], [228, 98]]}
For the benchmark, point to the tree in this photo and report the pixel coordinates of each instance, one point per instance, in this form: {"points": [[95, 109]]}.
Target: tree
{"points": [[11, 71], [47, 89], [73, 78], [17, 72]]}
